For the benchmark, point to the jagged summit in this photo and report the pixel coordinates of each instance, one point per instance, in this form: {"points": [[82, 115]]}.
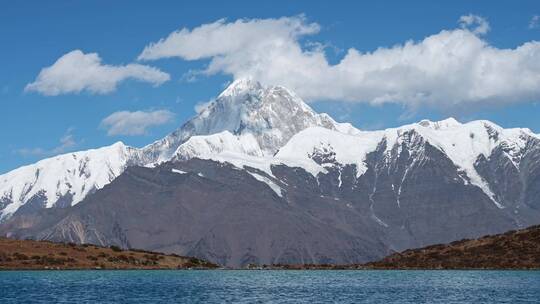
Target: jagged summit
{"points": [[272, 115], [241, 87]]}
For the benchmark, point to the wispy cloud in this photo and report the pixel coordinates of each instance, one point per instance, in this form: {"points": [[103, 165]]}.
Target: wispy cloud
{"points": [[135, 123], [535, 22], [66, 143], [475, 23], [452, 68], [76, 72]]}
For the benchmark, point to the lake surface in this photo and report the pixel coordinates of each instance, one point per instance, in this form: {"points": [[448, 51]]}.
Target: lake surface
{"points": [[219, 286]]}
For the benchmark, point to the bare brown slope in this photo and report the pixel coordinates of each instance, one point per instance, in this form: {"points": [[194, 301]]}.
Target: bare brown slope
{"points": [[28, 254], [511, 250]]}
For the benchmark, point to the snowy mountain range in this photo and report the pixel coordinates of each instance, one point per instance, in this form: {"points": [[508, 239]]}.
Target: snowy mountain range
{"points": [[246, 118], [259, 177]]}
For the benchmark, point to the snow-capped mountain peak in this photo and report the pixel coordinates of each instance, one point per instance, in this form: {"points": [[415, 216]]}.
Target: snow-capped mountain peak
{"points": [[272, 115], [62, 180], [241, 87], [246, 106]]}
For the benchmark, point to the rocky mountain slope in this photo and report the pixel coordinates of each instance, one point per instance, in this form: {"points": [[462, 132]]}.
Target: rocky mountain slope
{"points": [[511, 250], [259, 178]]}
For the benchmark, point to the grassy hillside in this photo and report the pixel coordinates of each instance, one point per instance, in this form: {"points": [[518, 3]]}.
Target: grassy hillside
{"points": [[28, 254], [512, 250]]}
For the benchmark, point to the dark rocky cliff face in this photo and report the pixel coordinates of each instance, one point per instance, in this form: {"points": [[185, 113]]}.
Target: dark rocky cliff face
{"points": [[409, 197], [515, 180], [421, 197]]}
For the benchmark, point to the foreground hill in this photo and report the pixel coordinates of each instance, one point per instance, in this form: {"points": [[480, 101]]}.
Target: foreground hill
{"points": [[27, 254], [511, 250]]}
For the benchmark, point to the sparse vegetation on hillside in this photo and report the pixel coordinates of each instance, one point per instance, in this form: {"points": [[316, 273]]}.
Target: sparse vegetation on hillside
{"points": [[511, 250], [28, 254]]}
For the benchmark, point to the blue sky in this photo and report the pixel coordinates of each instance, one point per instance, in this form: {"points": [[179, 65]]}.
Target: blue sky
{"points": [[35, 34]]}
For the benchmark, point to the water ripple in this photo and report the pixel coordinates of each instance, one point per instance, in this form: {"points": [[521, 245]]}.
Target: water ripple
{"points": [[222, 286]]}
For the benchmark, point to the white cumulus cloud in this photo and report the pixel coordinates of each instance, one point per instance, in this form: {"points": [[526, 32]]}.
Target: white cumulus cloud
{"points": [[455, 67], [221, 38], [135, 123], [76, 71]]}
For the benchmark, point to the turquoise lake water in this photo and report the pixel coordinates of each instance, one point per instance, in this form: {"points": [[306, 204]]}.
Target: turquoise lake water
{"points": [[227, 286]]}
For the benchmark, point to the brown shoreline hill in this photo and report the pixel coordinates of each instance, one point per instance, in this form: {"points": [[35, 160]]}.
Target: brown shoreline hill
{"points": [[29, 254], [511, 250]]}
